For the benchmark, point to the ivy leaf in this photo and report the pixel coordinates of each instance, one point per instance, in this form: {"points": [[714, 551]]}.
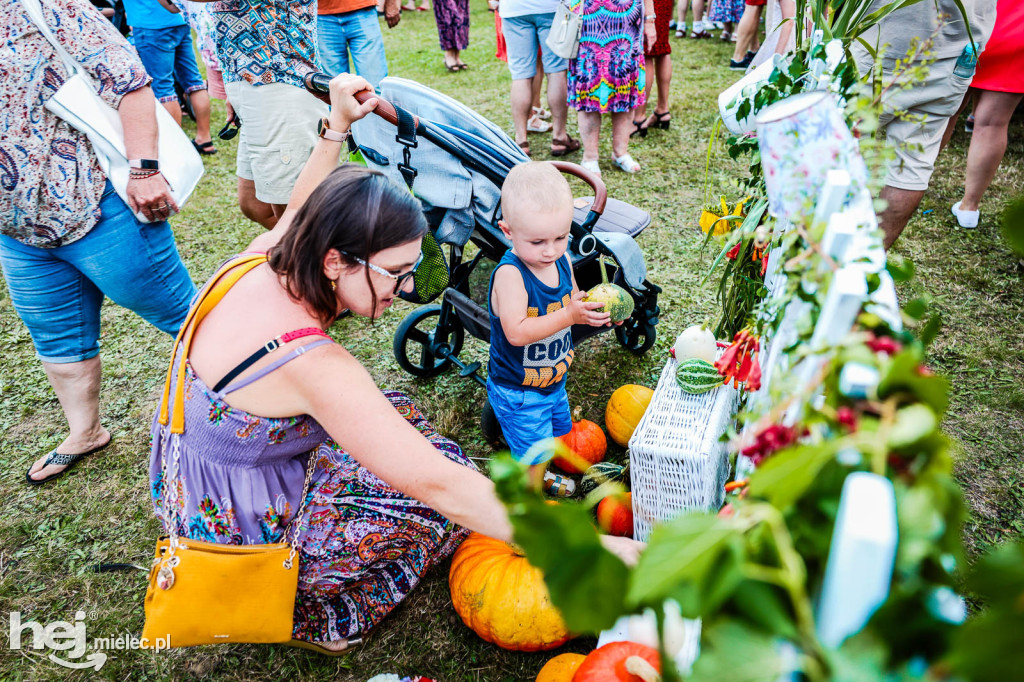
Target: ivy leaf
{"points": [[1013, 226], [903, 374], [695, 559], [901, 269], [783, 478], [765, 607], [731, 650], [931, 329], [861, 658]]}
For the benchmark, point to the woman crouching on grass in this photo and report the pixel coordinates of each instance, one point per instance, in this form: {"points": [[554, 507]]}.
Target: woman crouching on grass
{"points": [[392, 497]]}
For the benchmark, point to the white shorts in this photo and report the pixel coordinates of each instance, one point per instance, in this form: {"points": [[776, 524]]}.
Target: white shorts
{"points": [[278, 134]]}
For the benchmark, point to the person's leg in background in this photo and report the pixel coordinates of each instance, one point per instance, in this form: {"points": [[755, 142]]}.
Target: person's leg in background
{"points": [[186, 71], [366, 44], [332, 43], [137, 266], [156, 48], [992, 113], [63, 320], [521, 43], [555, 68], [277, 137], [746, 36], [590, 133], [452, 18]]}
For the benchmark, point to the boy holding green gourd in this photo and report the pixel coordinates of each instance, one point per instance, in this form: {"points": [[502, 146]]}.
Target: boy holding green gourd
{"points": [[534, 302]]}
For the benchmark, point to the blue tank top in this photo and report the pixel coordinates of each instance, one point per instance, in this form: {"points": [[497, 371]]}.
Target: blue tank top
{"points": [[541, 365]]}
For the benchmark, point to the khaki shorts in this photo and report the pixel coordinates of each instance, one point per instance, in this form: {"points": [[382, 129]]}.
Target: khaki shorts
{"points": [[918, 138], [278, 134]]}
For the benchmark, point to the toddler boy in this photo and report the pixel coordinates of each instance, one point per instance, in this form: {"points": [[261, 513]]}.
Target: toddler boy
{"points": [[534, 302]]}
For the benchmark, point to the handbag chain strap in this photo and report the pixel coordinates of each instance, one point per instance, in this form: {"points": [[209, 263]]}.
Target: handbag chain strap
{"points": [[171, 430]]}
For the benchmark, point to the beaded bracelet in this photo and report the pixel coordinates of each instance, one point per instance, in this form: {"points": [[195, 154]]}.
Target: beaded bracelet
{"points": [[141, 174]]}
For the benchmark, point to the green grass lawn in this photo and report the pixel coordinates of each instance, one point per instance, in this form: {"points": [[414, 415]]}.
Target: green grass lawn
{"points": [[51, 535]]}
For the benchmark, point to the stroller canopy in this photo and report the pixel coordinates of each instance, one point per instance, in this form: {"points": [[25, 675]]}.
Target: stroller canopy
{"points": [[460, 157]]}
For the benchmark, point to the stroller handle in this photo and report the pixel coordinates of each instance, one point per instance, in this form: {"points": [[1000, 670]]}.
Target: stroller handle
{"points": [[319, 85], [592, 179]]}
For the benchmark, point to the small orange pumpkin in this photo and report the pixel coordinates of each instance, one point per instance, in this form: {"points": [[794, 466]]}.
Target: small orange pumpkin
{"points": [[587, 442], [561, 668], [625, 409], [615, 515], [502, 598], [620, 662]]}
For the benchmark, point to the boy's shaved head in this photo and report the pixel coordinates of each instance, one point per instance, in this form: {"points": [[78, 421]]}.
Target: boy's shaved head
{"points": [[533, 187]]}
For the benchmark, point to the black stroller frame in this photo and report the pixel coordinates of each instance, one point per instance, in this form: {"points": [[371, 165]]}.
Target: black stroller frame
{"points": [[424, 348]]}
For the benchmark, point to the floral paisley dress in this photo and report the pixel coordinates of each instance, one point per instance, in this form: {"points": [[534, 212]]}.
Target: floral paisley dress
{"points": [[240, 478]]}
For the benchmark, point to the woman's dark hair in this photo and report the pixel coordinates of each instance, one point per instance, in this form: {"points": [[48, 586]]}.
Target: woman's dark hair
{"points": [[355, 210]]}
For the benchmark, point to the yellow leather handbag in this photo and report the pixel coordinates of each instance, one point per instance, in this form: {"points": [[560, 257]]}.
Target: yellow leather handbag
{"points": [[206, 592]]}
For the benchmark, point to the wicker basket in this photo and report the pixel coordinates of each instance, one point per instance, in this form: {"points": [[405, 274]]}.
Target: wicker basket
{"points": [[676, 459]]}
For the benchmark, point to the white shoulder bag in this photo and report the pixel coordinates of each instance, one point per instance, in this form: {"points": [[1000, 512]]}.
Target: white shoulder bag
{"points": [[564, 35], [79, 103]]}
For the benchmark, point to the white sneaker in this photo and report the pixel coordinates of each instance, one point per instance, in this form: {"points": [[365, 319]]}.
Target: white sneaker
{"points": [[966, 219], [626, 163], [591, 166]]}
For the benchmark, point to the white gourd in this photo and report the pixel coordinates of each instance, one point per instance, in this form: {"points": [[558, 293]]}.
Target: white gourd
{"points": [[696, 342]]}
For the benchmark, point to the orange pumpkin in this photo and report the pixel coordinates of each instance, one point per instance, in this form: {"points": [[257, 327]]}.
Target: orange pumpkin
{"points": [[587, 442], [561, 668], [502, 598], [620, 661], [615, 515], [625, 408]]}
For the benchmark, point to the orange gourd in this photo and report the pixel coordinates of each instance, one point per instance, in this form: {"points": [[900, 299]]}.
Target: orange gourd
{"points": [[620, 662], [561, 668], [625, 408], [502, 598], [587, 442], [615, 515]]}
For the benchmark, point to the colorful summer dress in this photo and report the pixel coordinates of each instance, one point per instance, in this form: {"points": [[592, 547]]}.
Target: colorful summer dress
{"points": [[608, 74], [727, 10], [365, 545]]}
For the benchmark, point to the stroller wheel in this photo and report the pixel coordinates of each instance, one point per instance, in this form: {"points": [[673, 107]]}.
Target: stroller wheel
{"points": [[489, 425], [423, 346], [635, 336]]}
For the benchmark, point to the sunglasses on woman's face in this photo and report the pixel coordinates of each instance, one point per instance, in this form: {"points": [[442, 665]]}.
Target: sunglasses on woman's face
{"points": [[400, 280]]}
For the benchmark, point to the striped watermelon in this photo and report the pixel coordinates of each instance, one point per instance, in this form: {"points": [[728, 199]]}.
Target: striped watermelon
{"points": [[603, 472], [697, 376]]}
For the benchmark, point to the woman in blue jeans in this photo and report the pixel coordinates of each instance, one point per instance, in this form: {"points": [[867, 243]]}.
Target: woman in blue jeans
{"points": [[66, 238]]}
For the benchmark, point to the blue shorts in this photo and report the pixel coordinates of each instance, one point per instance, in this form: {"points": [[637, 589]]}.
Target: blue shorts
{"points": [[528, 417], [523, 35], [58, 292], [168, 56]]}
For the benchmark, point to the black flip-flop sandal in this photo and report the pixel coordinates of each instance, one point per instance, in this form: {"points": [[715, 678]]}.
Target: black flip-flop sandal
{"points": [[205, 148], [66, 461]]}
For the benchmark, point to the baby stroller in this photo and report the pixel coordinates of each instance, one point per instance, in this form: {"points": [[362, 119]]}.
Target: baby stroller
{"points": [[456, 161]]}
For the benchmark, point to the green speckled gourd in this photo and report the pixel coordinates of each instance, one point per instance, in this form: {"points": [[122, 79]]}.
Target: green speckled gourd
{"points": [[697, 376], [600, 473], [617, 301]]}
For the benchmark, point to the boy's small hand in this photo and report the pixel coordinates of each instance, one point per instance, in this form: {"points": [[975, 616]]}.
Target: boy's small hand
{"points": [[584, 312]]}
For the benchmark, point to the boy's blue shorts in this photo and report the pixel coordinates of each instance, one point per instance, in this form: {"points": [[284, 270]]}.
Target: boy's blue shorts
{"points": [[527, 417]]}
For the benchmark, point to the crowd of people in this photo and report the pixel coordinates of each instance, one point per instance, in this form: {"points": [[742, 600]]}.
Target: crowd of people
{"points": [[348, 239]]}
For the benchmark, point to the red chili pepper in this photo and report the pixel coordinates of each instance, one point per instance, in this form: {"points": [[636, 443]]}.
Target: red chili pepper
{"points": [[734, 252], [884, 344]]}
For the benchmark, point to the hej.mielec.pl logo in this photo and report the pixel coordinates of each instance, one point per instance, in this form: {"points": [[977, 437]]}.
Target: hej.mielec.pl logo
{"points": [[71, 642]]}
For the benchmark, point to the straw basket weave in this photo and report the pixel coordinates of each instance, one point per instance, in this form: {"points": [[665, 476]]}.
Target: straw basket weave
{"points": [[676, 459]]}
